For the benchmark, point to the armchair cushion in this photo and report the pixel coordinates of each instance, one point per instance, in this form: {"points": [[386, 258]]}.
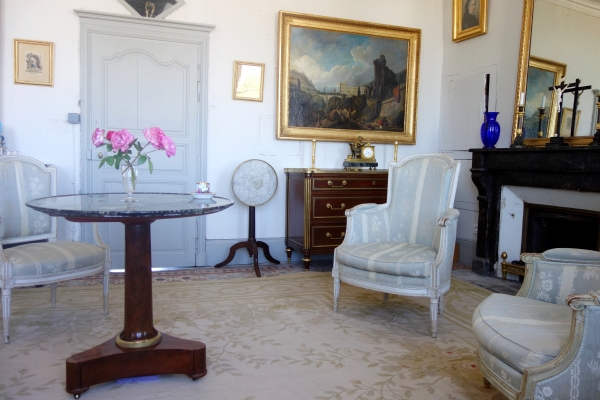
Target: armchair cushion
{"points": [[392, 258], [53, 257], [384, 280], [521, 332]]}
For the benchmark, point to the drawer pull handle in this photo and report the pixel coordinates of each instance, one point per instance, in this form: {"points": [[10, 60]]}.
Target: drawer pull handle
{"points": [[331, 184], [341, 208], [332, 238]]}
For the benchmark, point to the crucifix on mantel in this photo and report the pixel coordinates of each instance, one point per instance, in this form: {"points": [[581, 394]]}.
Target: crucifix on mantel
{"points": [[568, 88]]}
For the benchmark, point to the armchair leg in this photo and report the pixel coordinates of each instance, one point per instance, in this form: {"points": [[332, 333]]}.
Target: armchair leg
{"points": [[386, 297], [336, 293], [433, 305], [441, 305], [105, 282], [53, 295], [6, 313], [486, 383]]}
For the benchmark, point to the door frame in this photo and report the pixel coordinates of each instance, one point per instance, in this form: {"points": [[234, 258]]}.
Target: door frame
{"points": [[93, 23]]}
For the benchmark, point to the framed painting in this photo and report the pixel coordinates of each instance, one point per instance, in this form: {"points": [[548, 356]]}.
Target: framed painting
{"points": [[34, 62], [339, 79], [541, 74], [248, 80], [567, 120], [158, 9], [469, 19]]}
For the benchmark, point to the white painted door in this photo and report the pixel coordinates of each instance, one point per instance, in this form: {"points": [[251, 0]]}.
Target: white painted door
{"points": [[137, 83]]}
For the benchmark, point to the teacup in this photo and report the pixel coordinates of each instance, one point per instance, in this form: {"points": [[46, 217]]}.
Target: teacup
{"points": [[202, 187]]}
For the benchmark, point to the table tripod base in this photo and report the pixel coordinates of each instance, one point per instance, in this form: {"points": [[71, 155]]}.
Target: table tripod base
{"points": [[108, 362]]}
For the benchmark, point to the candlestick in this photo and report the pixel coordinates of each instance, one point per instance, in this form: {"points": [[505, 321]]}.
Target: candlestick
{"points": [[541, 116], [396, 151], [314, 150], [518, 141]]}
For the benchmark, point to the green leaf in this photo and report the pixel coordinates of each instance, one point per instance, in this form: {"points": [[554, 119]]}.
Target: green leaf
{"points": [[142, 160], [150, 166], [137, 145], [109, 147], [129, 152], [110, 160], [101, 163]]}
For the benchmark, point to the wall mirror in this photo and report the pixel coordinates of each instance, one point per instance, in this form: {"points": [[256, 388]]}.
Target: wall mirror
{"points": [[558, 37]]}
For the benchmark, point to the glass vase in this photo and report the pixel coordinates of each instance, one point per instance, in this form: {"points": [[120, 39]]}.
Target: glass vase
{"points": [[490, 129], [129, 175]]}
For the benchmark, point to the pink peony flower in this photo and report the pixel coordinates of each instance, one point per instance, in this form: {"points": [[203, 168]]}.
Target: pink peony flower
{"points": [[121, 140], [109, 134], [98, 137], [168, 145], [155, 137]]}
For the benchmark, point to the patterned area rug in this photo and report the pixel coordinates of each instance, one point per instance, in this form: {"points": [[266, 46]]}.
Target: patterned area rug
{"points": [[270, 338]]}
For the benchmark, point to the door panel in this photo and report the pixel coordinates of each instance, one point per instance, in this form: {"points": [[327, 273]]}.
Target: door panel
{"points": [[136, 84]]}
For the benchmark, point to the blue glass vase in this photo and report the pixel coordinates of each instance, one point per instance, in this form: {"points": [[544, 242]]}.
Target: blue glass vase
{"points": [[490, 129]]}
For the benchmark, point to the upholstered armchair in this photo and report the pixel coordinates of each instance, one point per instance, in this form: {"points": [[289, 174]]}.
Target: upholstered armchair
{"points": [[544, 342], [43, 259], [406, 245]]}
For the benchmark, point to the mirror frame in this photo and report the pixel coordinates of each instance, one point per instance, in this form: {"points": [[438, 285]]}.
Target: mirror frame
{"points": [[524, 50]]}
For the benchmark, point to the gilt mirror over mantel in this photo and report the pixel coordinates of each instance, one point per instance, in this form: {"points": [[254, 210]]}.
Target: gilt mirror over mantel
{"points": [[558, 37]]}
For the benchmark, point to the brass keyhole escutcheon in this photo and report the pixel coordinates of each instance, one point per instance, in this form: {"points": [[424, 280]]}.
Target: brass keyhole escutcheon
{"points": [[341, 208], [331, 184], [332, 238], [100, 155]]}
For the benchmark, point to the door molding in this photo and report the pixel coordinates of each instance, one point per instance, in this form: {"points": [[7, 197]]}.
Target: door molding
{"points": [[96, 23]]}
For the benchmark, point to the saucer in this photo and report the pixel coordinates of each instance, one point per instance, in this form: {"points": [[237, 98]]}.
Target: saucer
{"points": [[208, 195]]}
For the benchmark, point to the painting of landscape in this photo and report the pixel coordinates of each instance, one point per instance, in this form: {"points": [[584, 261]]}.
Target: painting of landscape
{"points": [[340, 80]]}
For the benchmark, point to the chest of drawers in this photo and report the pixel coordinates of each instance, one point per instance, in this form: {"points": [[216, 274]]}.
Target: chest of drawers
{"points": [[316, 202]]}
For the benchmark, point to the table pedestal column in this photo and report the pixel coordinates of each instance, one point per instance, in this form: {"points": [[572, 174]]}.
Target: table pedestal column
{"points": [[140, 349]]}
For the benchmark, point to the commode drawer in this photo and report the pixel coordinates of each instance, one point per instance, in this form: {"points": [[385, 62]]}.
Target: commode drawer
{"points": [[328, 236], [349, 183], [325, 207]]}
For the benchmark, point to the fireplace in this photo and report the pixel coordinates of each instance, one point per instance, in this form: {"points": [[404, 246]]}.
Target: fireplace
{"points": [[572, 170], [548, 227]]}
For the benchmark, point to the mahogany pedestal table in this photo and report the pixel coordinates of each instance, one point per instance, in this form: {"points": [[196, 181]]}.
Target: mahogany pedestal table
{"points": [[139, 349]]}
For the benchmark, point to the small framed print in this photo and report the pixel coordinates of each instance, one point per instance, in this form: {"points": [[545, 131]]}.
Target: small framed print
{"points": [[248, 80], [34, 62]]}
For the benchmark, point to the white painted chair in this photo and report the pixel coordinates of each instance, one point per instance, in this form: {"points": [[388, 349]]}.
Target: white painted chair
{"points": [[543, 343], [406, 245], [47, 261]]}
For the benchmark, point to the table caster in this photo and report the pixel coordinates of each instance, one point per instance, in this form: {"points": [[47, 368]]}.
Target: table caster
{"points": [[77, 395]]}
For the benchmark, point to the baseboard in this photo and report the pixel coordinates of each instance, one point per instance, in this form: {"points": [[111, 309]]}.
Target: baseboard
{"points": [[468, 250]]}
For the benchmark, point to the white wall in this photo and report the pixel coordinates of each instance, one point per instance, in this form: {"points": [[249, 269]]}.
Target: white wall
{"points": [[34, 117], [498, 52]]}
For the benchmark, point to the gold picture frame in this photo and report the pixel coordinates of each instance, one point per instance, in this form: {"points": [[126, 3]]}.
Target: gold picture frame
{"points": [[33, 62], [565, 122], [333, 87], [469, 19], [548, 74], [248, 81]]}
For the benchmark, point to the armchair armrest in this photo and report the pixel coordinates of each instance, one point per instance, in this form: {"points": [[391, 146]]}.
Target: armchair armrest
{"points": [[450, 215], [367, 223], [363, 209]]}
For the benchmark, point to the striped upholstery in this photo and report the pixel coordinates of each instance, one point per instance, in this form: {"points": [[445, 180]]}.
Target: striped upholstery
{"points": [[26, 182], [52, 258], [396, 247], [521, 332]]}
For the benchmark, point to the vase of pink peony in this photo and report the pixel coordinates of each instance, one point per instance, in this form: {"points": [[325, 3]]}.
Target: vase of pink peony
{"points": [[123, 144]]}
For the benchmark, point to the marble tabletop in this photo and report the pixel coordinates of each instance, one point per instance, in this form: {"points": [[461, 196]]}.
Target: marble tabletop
{"points": [[107, 206]]}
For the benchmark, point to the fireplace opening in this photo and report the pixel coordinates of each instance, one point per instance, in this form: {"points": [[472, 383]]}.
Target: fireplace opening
{"points": [[547, 227]]}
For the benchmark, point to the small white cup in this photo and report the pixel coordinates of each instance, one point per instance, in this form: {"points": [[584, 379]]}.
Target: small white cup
{"points": [[202, 187]]}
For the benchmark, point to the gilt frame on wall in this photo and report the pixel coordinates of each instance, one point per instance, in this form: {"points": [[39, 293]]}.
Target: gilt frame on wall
{"points": [[469, 19], [339, 79], [34, 62]]}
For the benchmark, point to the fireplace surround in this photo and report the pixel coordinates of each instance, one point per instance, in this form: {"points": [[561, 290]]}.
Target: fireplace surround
{"points": [[567, 168]]}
